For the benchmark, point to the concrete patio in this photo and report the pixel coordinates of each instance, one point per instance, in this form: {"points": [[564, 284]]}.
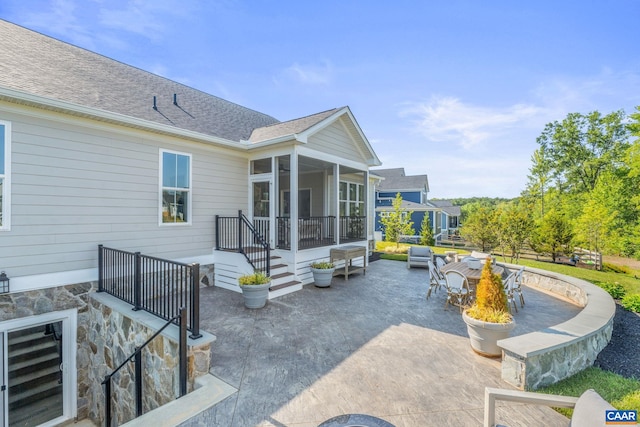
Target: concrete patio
{"points": [[371, 345]]}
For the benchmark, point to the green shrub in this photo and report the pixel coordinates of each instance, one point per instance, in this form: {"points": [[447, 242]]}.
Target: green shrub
{"points": [[616, 290], [394, 257], [631, 303], [257, 278], [322, 265], [613, 268]]}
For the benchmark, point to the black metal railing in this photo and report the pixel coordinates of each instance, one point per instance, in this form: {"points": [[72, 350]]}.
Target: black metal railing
{"points": [[353, 228], [283, 232], [239, 235], [136, 358], [158, 286], [316, 231], [313, 232]]}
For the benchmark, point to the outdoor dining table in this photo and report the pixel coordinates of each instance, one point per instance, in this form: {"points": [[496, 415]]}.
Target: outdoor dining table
{"points": [[472, 275]]}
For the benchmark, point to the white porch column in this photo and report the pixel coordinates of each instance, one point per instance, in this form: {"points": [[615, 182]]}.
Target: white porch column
{"points": [[293, 202], [336, 193]]}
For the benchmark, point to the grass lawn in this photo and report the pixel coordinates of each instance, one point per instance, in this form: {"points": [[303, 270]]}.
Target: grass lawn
{"points": [[622, 393], [627, 280]]}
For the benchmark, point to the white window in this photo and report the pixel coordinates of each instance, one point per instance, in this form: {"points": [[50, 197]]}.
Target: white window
{"points": [[351, 199], [5, 175], [175, 187]]}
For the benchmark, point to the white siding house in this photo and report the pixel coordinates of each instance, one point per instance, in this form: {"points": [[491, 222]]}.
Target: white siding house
{"points": [[93, 151]]}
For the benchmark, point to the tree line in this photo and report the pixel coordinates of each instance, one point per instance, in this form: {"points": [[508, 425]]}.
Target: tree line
{"points": [[583, 190]]}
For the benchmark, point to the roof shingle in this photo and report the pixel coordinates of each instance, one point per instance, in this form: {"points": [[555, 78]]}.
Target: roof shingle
{"points": [[40, 65]]}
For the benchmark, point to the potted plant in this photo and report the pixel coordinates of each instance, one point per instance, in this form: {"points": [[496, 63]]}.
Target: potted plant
{"points": [[488, 319], [255, 289], [322, 273]]}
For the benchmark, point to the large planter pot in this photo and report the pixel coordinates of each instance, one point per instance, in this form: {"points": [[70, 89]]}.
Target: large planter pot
{"points": [[322, 276], [484, 335], [255, 296]]}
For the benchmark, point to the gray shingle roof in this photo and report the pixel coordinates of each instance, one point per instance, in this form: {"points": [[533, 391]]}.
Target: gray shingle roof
{"points": [[447, 207], [33, 63], [290, 127], [389, 172], [395, 179]]}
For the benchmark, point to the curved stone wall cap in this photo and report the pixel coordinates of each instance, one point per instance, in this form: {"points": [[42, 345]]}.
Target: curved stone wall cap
{"points": [[596, 315]]}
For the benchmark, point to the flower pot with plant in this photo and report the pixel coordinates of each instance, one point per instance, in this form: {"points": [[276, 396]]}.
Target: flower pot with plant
{"points": [[322, 273], [488, 319], [255, 289]]}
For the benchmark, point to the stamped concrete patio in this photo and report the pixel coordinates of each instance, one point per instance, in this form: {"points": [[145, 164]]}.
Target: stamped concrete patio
{"points": [[371, 345]]}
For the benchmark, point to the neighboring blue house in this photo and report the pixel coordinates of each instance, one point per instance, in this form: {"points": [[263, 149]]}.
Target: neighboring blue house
{"points": [[443, 216]]}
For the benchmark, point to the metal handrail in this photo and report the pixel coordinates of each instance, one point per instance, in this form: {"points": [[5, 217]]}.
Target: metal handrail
{"points": [[136, 357], [239, 234], [156, 285]]}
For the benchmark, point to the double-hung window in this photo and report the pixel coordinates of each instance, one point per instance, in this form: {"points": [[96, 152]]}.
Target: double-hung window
{"points": [[5, 175], [175, 187], [351, 199]]}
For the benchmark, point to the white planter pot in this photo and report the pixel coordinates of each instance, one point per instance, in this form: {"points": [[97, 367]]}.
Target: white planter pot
{"points": [[255, 296], [322, 276], [484, 335]]}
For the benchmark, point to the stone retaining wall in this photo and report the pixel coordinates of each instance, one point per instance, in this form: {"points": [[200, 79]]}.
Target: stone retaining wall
{"points": [[114, 332], [41, 301], [541, 358], [81, 297]]}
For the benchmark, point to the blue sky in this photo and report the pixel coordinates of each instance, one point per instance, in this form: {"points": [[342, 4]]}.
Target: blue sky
{"points": [[458, 90]]}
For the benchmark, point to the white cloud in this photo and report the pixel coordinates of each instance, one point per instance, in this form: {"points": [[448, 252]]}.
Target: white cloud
{"points": [[449, 119], [62, 19], [606, 91], [144, 18], [311, 74]]}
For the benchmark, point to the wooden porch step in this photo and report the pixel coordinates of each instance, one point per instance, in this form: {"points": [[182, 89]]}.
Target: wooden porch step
{"points": [[280, 276], [275, 266], [284, 285]]}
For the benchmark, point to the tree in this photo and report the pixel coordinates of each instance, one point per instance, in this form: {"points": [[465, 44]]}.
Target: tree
{"points": [[581, 147], [539, 177], [397, 222], [553, 235], [426, 232], [515, 223], [480, 227]]}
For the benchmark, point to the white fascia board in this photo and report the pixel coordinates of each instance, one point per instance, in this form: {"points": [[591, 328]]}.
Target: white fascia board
{"points": [[28, 99], [308, 152], [403, 190], [255, 145]]}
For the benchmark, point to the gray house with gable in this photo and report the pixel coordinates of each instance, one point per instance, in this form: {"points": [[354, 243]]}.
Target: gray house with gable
{"points": [[93, 151], [414, 189]]}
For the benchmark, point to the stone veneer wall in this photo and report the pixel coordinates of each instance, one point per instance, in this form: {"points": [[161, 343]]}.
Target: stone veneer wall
{"points": [[545, 357], [115, 331], [17, 305], [22, 304]]}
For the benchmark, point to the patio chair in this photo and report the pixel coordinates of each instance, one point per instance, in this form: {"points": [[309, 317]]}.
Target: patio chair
{"points": [[418, 256], [509, 288], [440, 262], [458, 292], [588, 409], [434, 267], [435, 281], [518, 285]]}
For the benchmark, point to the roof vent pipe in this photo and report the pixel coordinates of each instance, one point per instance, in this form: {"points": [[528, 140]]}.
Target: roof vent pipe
{"points": [[175, 99], [155, 107]]}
